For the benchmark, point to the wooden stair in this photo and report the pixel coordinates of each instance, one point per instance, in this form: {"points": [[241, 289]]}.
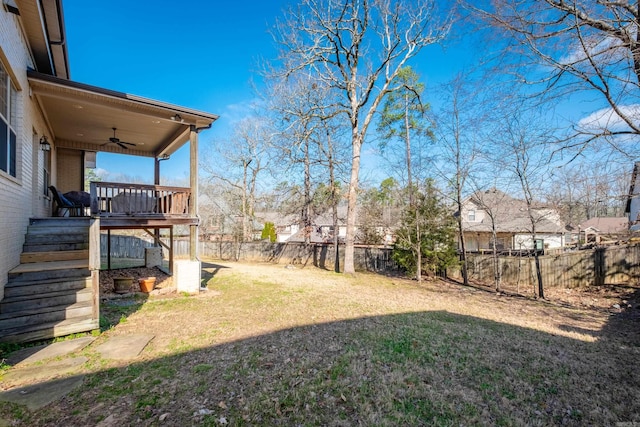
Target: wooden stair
{"points": [[52, 292]]}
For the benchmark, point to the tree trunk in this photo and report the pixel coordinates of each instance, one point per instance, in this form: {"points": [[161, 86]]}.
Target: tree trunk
{"points": [[306, 216], [496, 260], [334, 204], [336, 240], [539, 276], [419, 251], [463, 248], [244, 200], [536, 256], [352, 200]]}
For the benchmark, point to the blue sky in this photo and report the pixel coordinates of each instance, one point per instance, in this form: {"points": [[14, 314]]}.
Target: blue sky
{"points": [[198, 54]]}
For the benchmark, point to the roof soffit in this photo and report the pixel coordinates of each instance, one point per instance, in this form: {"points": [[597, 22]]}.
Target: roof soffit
{"points": [[82, 117]]}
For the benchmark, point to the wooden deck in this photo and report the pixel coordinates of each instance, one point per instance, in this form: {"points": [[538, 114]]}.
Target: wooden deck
{"points": [[129, 206]]}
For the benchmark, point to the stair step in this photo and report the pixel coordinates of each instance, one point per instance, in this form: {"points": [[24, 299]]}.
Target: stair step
{"points": [[43, 302], [49, 266], [17, 279], [48, 238], [63, 288], [29, 290], [53, 281], [54, 246], [32, 317], [40, 229], [45, 310], [48, 256], [59, 222], [44, 331]]}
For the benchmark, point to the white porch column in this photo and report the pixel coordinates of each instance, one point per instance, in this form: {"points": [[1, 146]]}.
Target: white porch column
{"points": [[193, 206], [187, 273]]}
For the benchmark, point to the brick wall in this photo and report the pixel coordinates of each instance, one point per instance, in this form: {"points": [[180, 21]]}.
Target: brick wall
{"points": [[17, 198]]}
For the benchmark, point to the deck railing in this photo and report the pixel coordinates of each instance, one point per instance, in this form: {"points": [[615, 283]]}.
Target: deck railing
{"points": [[117, 199]]}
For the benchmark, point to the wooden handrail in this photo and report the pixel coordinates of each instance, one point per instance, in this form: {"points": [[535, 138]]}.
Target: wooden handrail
{"points": [[115, 198]]}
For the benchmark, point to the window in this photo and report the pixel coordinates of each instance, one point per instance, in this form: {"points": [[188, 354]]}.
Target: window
{"points": [[46, 174], [8, 139], [472, 215]]}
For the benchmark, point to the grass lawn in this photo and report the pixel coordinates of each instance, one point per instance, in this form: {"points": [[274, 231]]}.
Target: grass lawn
{"points": [[267, 345]]}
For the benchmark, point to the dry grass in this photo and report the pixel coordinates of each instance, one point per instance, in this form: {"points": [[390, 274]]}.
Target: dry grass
{"points": [[267, 345]]}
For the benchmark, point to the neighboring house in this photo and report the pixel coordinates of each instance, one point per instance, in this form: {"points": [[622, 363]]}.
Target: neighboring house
{"points": [[633, 200], [604, 228], [50, 131], [289, 228], [486, 210], [286, 225]]}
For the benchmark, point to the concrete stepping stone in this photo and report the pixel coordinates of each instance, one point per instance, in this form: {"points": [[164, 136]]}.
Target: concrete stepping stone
{"points": [[123, 347], [38, 395], [38, 373], [30, 355]]}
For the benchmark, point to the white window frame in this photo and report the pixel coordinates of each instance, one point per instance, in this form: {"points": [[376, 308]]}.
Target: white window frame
{"points": [[8, 119]]}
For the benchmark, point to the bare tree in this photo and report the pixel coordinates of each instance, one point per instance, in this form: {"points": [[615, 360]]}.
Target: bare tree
{"points": [[297, 106], [564, 46], [457, 128], [239, 163], [309, 135], [588, 188], [524, 156], [357, 48]]}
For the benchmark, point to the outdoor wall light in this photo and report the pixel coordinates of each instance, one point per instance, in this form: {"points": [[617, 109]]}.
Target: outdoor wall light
{"points": [[11, 7], [177, 118], [44, 144]]}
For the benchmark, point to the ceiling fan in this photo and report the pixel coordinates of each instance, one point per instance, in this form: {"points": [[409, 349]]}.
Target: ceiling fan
{"points": [[116, 140]]}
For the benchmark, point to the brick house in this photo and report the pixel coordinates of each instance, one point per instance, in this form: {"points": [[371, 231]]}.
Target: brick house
{"points": [[50, 130]]}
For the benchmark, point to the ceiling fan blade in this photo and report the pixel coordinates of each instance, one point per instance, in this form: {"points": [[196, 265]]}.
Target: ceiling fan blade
{"points": [[122, 145], [128, 143]]}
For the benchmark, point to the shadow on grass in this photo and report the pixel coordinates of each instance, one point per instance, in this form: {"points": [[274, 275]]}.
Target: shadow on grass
{"points": [[116, 311], [209, 271], [424, 368]]}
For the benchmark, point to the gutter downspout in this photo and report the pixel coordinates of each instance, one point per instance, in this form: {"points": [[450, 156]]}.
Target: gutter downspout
{"points": [[61, 42], [193, 183]]}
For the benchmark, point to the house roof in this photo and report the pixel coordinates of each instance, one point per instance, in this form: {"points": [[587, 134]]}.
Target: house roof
{"points": [[607, 225], [44, 29], [510, 214], [324, 219], [82, 117]]}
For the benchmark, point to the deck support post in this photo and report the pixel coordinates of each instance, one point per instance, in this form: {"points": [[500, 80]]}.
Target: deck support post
{"points": [[108, 249], [193, 204]]}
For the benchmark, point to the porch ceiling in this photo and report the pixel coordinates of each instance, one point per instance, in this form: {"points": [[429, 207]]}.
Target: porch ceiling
{"points": [[81, 117]]}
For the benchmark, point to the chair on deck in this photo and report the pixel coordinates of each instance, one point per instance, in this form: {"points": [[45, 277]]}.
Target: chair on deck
{"points": [[64, 206]]}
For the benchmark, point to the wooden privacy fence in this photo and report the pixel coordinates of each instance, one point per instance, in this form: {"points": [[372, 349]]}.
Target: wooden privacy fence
{"points": [[130, 247], [366, 258], [601, 266]]}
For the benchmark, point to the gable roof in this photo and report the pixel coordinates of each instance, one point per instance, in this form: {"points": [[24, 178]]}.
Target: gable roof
{"points": [[510, 214], [607, 225]]}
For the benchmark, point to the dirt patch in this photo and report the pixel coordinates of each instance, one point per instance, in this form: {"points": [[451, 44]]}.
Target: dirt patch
{"points": [[163, 280]]}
